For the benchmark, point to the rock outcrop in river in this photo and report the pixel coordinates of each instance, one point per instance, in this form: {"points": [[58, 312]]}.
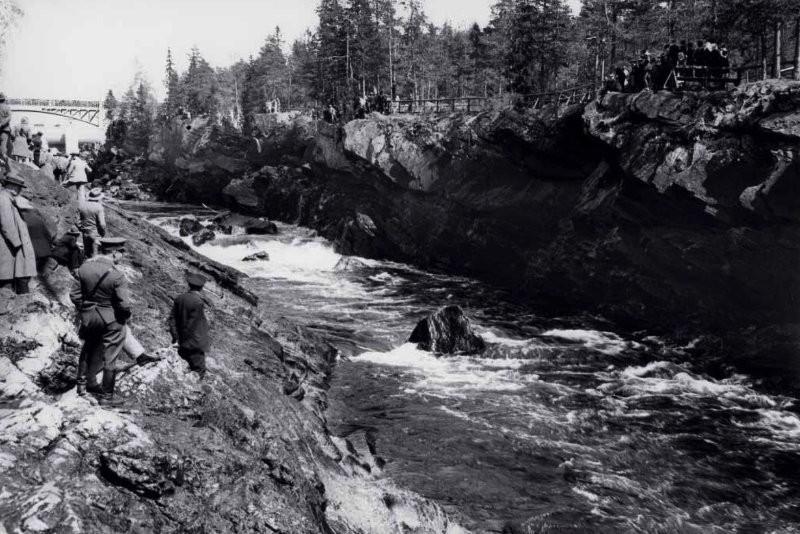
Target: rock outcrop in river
{"points": [[677, 212], [241, 451]]}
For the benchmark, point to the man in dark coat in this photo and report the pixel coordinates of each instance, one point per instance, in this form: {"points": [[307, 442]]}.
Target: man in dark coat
{"points": [[40, 232], [188, 324], [103, 301], [67, 252]]}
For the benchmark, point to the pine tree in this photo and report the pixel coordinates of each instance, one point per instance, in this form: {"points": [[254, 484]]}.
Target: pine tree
{"points": [[198, 86], [538, 45], [267, 78], [110, 104], [140, 124], [171, 81], [331, 51]]}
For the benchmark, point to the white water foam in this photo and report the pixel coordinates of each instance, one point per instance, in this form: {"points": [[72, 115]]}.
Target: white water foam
{"points": [[452, 375], [606, 342]]}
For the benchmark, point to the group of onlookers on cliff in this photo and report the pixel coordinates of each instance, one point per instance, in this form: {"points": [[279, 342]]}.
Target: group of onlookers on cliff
{"points": [[705, 64], [30, 249]]}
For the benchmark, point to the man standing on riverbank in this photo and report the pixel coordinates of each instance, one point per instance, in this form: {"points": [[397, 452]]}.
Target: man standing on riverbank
{"points": [[103, 301], [188, 324]]}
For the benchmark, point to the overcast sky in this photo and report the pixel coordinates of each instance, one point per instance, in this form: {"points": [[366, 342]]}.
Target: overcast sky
{"points": [[81, 48]]}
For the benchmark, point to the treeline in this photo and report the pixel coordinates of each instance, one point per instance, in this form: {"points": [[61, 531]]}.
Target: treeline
{"points": [[390, 46]]}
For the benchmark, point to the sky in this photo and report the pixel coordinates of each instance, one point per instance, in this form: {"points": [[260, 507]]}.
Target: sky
{"points": [[78, 49]]}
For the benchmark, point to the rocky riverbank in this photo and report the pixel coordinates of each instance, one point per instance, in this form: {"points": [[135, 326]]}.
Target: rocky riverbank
{"points": [[246, 450], [675, 213]]}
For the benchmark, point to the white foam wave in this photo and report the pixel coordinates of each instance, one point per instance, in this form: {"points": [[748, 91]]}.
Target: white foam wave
{"points": [[452, 375], [605, 342]]}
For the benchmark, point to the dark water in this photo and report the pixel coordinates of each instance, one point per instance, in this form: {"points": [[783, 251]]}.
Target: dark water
{"points": [[563, 426]]}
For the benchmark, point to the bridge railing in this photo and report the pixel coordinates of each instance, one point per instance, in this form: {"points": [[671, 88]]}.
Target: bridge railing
{"points": [[470, 104], [44, 103]]}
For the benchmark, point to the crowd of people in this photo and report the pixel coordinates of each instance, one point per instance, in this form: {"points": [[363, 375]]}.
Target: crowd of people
{"points": [[704, 63], [31, 250]]}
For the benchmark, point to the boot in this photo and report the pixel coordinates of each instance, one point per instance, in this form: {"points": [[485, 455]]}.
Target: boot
{"points": [[145, 358], [106, 398], [109, 401], [80, 388]]}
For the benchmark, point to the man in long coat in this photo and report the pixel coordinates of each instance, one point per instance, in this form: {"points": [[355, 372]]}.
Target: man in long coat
{"points": [[17, 259], [188, 324]]}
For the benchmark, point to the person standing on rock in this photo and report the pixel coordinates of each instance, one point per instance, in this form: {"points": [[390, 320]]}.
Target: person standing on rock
{"points": [[41, 234], [5, 127], [92, 220], [20, 149], [17, 260], [188, 325], [103, 301], [76, 175]]}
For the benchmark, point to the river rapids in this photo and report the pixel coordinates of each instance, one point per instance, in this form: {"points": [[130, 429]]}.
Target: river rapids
{"points": [[565, 424]]}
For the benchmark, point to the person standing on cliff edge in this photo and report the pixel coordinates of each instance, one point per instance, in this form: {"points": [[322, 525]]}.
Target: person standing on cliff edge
{"points": [[188, 325]]}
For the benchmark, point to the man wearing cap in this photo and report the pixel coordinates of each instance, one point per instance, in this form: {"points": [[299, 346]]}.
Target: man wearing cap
{"points": [[5, 127], [17, 259], [101, 295], [92, 220], [188, 324]]}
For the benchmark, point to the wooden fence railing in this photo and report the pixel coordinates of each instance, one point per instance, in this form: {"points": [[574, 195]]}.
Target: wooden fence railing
{"points": [[755, 72], [470, 104]]}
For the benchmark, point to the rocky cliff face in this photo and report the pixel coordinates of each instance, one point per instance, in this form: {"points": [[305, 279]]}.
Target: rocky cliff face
{"points": [[659, 210], [239, 452]]}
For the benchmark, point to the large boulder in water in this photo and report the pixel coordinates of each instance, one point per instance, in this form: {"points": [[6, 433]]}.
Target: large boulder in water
{"points": [[447, 331], [203, 236], [189, 226], [258, 256], [261, 227]]}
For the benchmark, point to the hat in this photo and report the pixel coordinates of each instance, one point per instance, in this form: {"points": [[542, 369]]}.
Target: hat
{"points": [[13, 178], [196, 279], [110, 244], [96, 192]]}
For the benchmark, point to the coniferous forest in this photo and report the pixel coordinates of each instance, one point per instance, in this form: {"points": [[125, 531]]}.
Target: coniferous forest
{"points": [[390, 46]]}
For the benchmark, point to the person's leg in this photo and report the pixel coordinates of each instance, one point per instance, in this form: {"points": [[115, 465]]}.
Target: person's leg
{"points": [[131, 345], [195, 359], [113, 341], [21, 285], [88, 246]]}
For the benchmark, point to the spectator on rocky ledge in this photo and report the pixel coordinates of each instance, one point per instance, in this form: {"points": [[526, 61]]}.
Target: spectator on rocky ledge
{"points": [[17, 259]]}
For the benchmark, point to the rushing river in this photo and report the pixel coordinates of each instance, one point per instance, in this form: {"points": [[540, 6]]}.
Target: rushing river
{"points": [[563, 425]]}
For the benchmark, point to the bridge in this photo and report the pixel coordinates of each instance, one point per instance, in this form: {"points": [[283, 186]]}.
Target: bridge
{"points": [[86, 111], [66, 124]]}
